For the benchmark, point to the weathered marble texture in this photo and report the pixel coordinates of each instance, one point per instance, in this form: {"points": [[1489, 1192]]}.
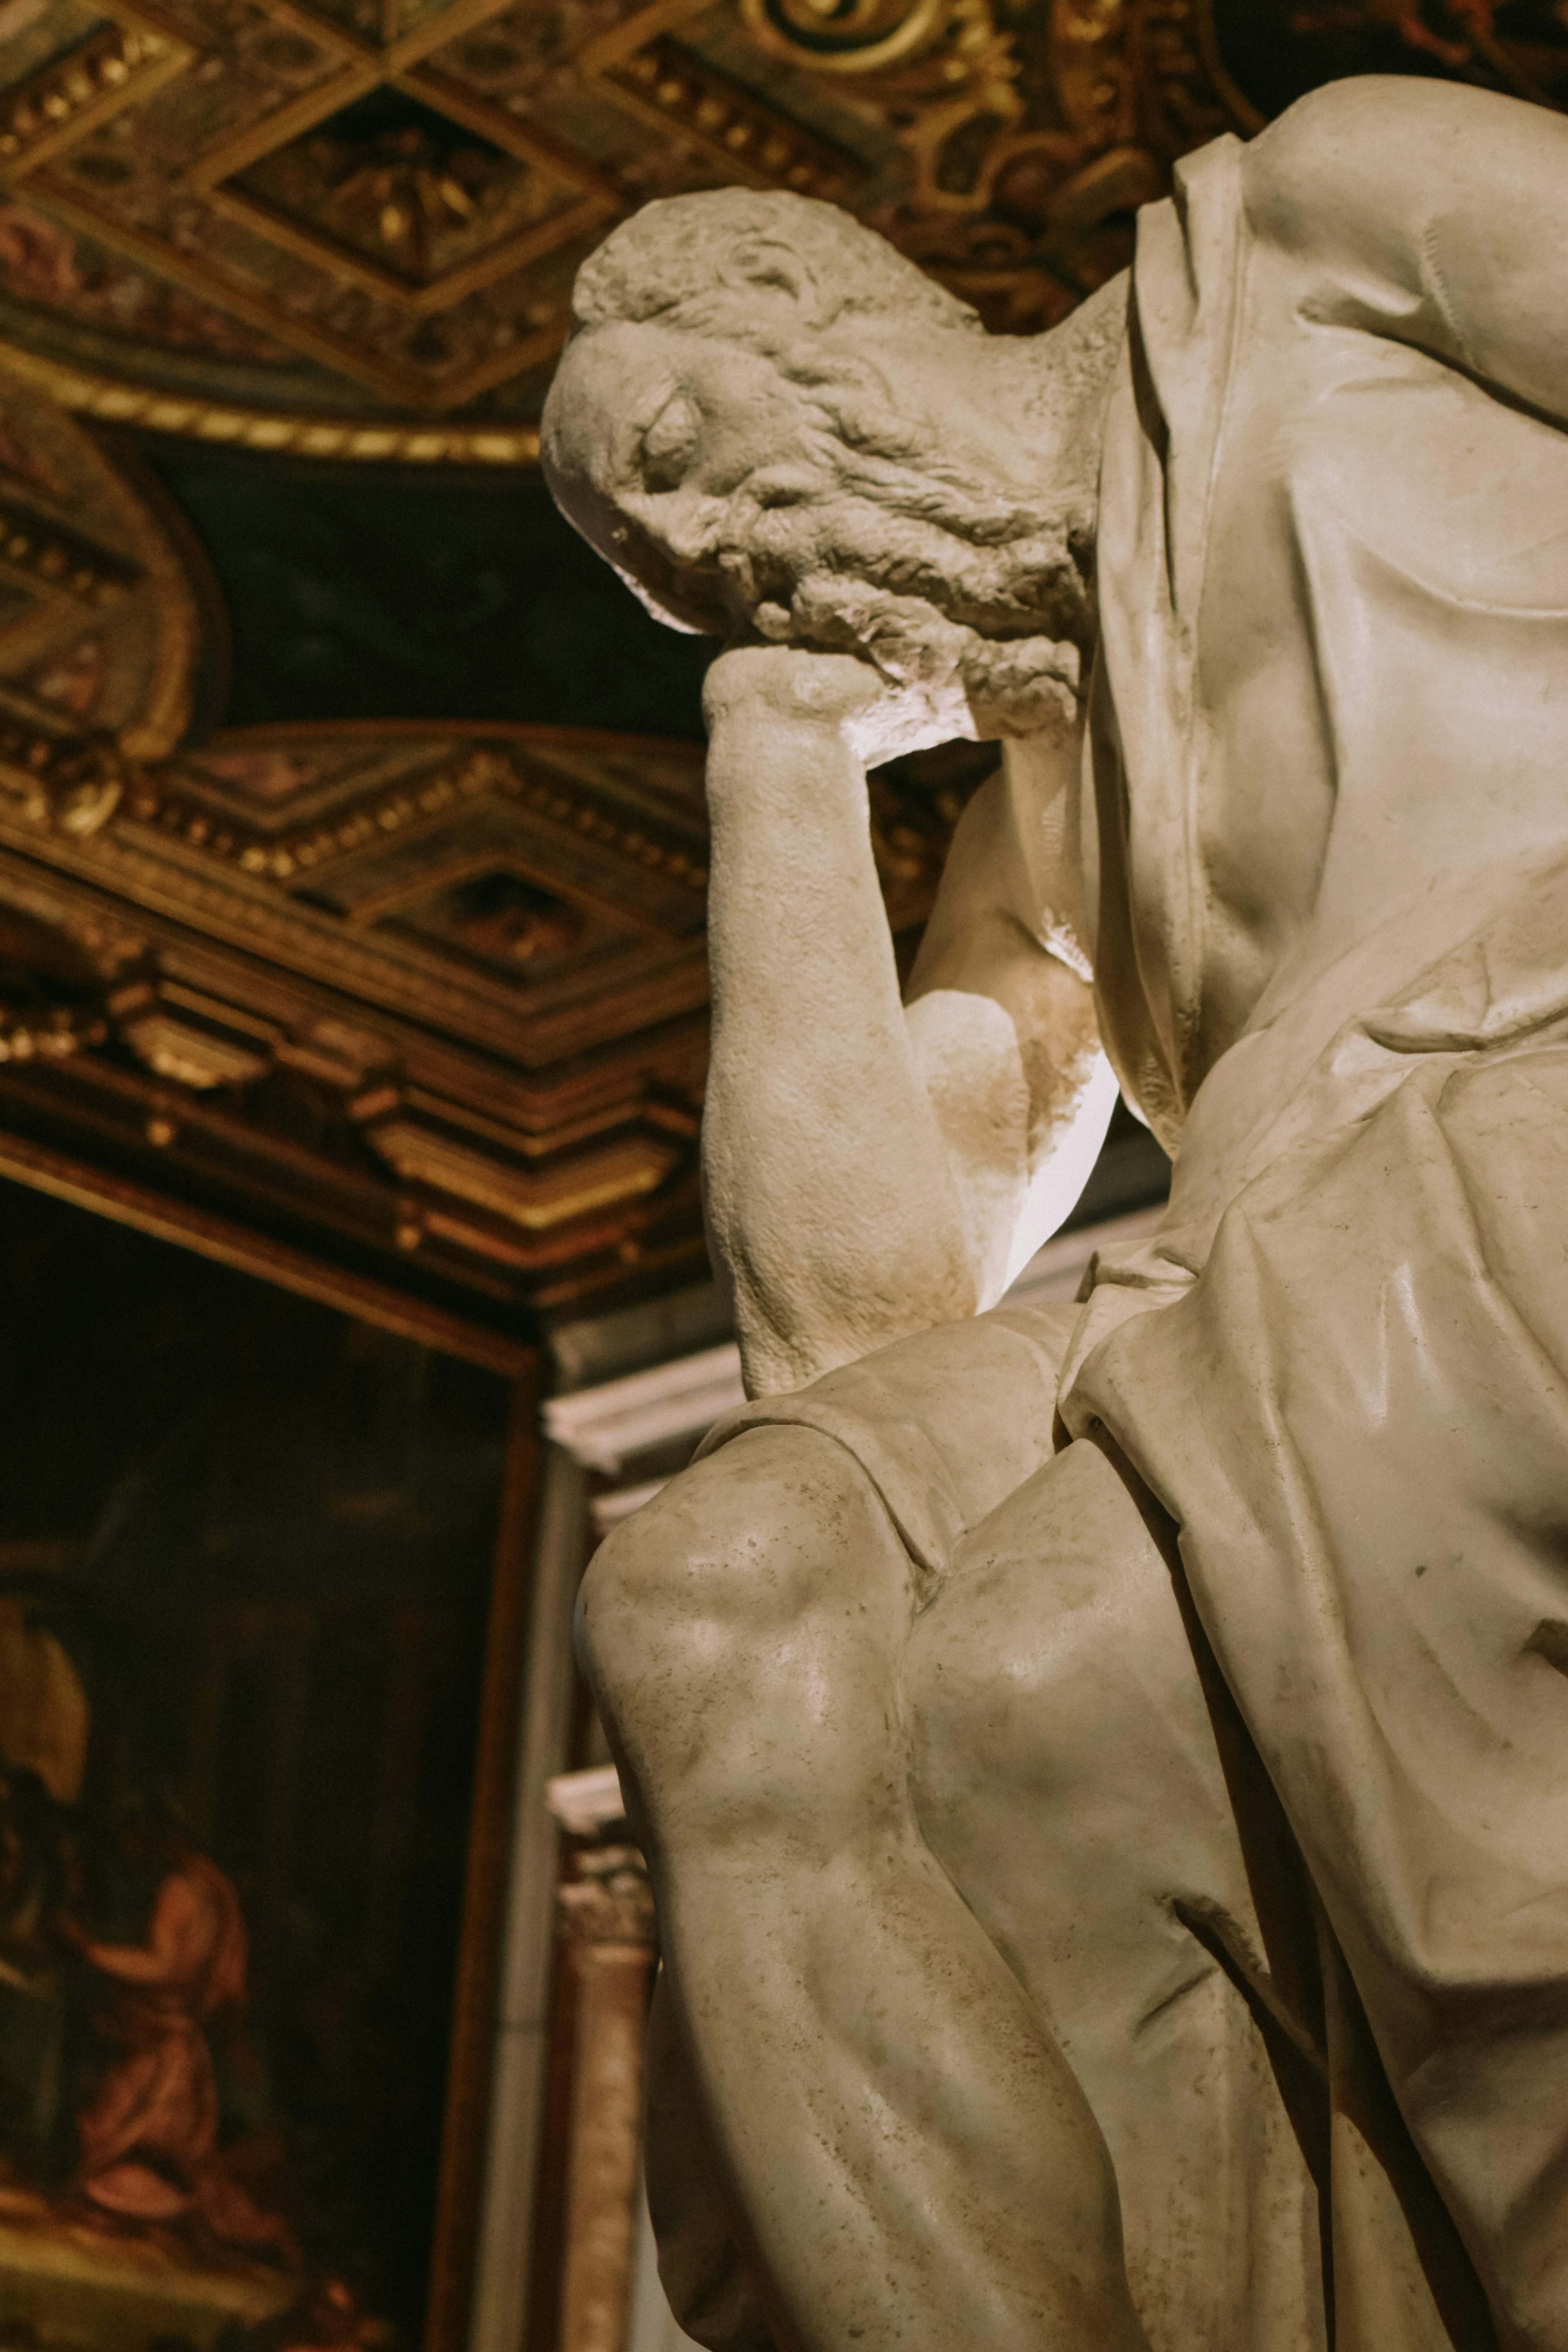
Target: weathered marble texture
{"points": [[1102, 1773]]}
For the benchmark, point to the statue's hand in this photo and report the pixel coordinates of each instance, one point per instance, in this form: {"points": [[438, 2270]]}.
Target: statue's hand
{"points": [[842, 695]]}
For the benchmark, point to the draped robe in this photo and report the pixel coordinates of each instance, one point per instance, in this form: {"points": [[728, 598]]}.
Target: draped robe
{"points": [[1326, 800]]}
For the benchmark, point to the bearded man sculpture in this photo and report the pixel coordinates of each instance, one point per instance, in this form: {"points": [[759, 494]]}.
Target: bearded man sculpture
{"points": [[1105, 1770]]}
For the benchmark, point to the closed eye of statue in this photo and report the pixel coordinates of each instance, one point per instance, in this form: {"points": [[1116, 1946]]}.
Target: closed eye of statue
{"points": [[669, 443]]}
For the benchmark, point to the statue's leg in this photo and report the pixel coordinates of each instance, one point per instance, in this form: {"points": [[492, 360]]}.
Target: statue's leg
{"points": [[710, 2277], [1067, 1775], [915, 2165]]}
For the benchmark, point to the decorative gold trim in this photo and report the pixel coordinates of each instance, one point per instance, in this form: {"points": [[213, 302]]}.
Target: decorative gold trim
{"points": [[919, 29], [47, 554], [623, 41], [105, 554], [537, 1199], [384, 59], [52, 1035], [174, 899], [333, 39], [501, 260], [632, 1256], [672, 89], [525, 861], [389, 377], [489, 770], [516, 1137], [449, 24], [526, 141], [291, 122], [287, 432], [284, 123], [91, 83]]}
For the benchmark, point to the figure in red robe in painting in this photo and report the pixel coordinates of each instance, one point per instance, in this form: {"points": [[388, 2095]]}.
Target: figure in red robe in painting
{"points": [[149, 2137]]}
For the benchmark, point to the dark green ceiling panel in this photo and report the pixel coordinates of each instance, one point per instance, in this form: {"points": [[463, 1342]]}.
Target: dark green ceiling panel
{"points": [[404, 593]]}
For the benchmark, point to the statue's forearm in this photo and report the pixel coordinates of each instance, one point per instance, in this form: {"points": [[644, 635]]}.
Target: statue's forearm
{"points": [[829, 1194]]}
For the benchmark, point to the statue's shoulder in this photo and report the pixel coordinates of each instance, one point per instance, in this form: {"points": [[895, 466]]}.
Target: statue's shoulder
{"points": [[1356, 168]]}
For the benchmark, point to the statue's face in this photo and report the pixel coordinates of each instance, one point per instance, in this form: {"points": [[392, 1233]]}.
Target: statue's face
{"points": [[666, 451], [854, 505]]}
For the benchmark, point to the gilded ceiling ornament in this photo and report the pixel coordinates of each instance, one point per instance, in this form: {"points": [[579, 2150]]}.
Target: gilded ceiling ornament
{"points": [[350, 228], [101, 629], [851, 36], [48, 1034], [651, 67]]}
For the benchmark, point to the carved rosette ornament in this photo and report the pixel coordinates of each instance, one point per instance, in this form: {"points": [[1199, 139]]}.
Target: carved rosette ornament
{"points": [[940, 69]]}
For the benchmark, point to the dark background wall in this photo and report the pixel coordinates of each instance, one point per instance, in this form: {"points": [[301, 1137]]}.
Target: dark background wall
{"points": [[404, 594]]}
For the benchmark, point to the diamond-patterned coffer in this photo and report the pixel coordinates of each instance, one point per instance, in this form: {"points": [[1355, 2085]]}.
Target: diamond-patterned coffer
{"points": [[291, 212]]}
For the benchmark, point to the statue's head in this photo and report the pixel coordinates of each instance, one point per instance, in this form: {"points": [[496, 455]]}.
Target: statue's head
{"points": [[776, 427]]}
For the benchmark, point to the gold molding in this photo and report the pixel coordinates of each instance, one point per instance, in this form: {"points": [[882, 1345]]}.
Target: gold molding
{"points": [[505, 769], [389, 377], [538, 1200], [955, 76], [77, 535], [522, 1177], [1138, 81], [281, 431], [419, 301], [423, 801], [63, 102], [912, 27], [284, 123], [174, 899], [529, 141], [384, 59], [46, 554], [214, 173], [641, 64]]}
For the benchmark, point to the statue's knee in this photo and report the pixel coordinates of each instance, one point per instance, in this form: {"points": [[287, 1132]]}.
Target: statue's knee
{"points": [[685, 1597], [697, 1603], [634, 1597]]}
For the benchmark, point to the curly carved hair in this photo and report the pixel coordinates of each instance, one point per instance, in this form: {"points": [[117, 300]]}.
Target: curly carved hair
{"points": [[697, 264]]}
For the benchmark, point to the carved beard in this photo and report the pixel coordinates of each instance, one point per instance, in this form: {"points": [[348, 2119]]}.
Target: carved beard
{"points": [[980, 606], [931, 612]]}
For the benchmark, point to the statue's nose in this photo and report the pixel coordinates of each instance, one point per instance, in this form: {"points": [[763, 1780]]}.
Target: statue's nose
{"points": [[690, 525]]}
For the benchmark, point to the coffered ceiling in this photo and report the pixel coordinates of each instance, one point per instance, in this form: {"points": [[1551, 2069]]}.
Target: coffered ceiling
{"points": [[426, 993], [349, 227], [429, 996], [378, 203], [343, 225]]}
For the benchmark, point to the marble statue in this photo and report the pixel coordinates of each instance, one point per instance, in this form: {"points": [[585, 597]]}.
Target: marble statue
{"points": [[1104, 1771]]}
